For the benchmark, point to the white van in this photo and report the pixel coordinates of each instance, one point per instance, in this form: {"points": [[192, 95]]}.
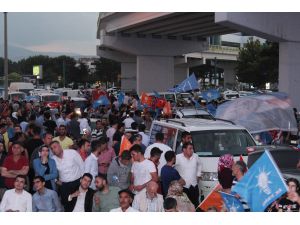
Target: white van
{"points": [[172, 96], [66, 93], [21, 86], [16, 96], [230, 95], [211, 139]]}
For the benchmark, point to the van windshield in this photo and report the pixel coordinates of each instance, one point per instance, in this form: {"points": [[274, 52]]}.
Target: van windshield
{"points": [[219, 142]]}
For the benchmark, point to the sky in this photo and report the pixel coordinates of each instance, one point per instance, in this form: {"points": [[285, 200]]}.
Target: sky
{"points": [[52, 32]]}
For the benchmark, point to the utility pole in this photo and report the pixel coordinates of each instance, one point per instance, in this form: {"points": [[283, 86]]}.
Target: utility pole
{"points": [[5, 58], [215, 72]]}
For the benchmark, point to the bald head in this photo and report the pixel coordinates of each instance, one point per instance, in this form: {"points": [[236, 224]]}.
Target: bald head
{"points": [[152, 189]]}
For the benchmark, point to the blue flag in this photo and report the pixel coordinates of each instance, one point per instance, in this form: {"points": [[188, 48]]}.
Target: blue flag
{"points": [[262, 184], [121, 97], [210, 94], [102, 100], [232, 203], [188, 84]]}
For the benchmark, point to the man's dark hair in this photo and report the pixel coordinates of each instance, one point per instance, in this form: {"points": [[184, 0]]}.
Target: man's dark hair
{"points": [[120, 125], [22, 176], [184, 134], [52, 142], [87, 175], [42, 179], [169, 155], [134, 126], [170, 203], [36, 130], [142, 128], [185, 145], [126, 155], [136, 148], [155, 152], [102, 176], [62, 125], [47, 115], [82, 142], [242, 166], [159, 136], [138, 113], [95, 145], [47, 133], [32, 117]]}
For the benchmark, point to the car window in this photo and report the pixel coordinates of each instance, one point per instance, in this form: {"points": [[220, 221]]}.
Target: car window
{"points": [[170, 97], [220, 142], [169, 134]]}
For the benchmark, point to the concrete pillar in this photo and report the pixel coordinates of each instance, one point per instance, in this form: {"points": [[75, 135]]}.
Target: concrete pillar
{"points": [[289, 68], [128, 76], [154, 73], [229, 74], [180, 73]]}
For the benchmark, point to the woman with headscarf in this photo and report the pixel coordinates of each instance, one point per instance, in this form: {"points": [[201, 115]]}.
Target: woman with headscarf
{"points": [[183, 202], [225, 176], [46, 167]]}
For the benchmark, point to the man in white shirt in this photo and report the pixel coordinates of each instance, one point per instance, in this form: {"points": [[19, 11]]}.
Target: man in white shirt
{"points": [[111, 131], [17, 199], [142, 170], [91, 163], [82, 199], [129, 120], [149, 200], [125, 199], [189, 167], [159, 138], [70, 168], [145, 137]]}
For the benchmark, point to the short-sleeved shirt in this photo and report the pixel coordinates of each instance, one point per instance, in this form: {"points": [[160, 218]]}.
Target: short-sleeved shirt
{"points": [[141, 171], [105, 157], [66, 143], [10, 164], [168, 174]]}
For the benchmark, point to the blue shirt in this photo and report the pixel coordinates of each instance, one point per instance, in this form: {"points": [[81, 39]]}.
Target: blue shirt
{"points": [[46, 202], [168, 174]]}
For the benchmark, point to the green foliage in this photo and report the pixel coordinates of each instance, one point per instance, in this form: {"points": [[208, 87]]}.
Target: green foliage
{"points": [[258, 63]]}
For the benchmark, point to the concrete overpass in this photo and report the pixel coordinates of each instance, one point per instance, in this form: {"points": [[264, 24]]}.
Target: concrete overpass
{"points": [[151, 46], [154, 39]]}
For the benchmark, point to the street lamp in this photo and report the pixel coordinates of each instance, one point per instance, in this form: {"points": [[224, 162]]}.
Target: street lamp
{"points": [[5, 58]]}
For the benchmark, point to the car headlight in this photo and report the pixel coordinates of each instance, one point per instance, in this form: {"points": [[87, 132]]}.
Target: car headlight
{"points": [[209, 176]]}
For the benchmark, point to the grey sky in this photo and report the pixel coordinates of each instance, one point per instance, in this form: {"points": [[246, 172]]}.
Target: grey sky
{"points": [[52, 32]]}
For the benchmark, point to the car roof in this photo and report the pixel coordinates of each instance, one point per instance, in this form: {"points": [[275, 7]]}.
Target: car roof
{"points": [[78, 99], [47, 94], [195, 124], [192, 111]]}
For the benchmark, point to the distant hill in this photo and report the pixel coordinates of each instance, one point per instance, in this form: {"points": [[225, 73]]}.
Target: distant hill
{"points": [[18, 53]]}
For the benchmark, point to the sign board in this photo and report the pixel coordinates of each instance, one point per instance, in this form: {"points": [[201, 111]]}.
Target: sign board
{"points": [[38, 71]]}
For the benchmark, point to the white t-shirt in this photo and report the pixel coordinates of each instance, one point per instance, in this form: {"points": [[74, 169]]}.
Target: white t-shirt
{"points": [[141, 171], [16, 201], [162, 160], [128, 121]]}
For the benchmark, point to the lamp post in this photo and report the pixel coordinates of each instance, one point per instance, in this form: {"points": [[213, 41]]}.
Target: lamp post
{"points": [[5, 58]]}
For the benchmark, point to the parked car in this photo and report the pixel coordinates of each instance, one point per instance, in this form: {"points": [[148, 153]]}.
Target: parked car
{"points": [[192, 113], [286, 158], [211, 139]]}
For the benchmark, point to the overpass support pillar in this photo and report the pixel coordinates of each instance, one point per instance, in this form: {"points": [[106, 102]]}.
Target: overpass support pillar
{"points": [[289, 69], [229, 74], [155, 73], [128, 76]]}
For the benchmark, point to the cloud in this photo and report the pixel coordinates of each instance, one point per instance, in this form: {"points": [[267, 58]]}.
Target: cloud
{"points": [[67, 46]]}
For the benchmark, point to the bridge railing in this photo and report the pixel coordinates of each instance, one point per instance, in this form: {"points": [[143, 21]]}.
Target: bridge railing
{"points": [[223, 49]]}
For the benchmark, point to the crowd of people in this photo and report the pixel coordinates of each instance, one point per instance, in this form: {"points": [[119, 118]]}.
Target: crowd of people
{"points": [[53, 161]]}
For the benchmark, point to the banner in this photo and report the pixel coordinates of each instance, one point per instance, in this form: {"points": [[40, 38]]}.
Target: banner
{"points": [[262, 184], [211, 94], [125, 145], [232, 203], [146, 100], [213, 199], [102, 100], [121, 97], [189, 84]]}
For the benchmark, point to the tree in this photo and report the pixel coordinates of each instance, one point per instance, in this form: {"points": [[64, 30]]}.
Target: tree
{"points": [[258, 63], [107, 70]]}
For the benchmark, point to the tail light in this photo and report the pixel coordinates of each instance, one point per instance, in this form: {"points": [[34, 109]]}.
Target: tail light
{"points": [[250, 149]]}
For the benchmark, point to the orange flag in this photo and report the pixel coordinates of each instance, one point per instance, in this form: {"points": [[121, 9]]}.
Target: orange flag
{"points": [[146, 99], [125, 144], [213, 199]]}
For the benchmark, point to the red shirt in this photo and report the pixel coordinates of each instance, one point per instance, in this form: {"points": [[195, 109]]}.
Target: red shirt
{"points": [[10, 164]]}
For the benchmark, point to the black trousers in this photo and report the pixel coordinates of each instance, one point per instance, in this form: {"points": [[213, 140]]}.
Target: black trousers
{"points": [[193, 193], [66, 189]]}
